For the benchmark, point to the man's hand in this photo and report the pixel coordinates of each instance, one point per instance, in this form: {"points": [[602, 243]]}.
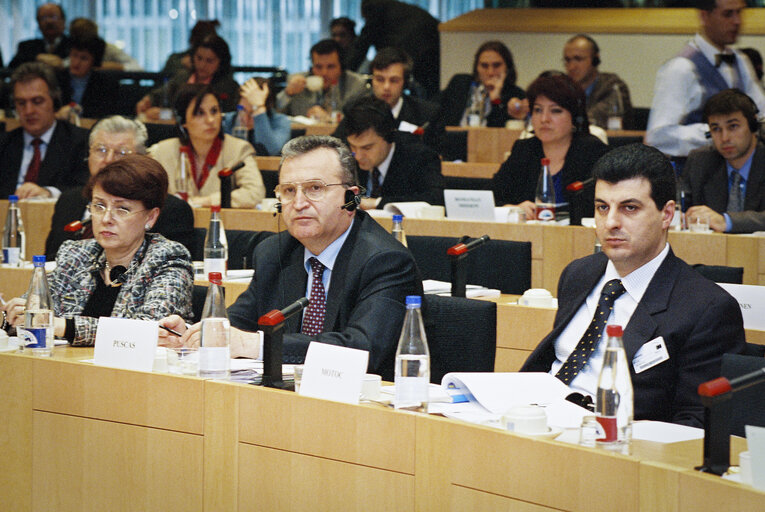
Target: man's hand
{"points": [[517, 108], [318, 113], [494, 86], [50, 59], [255, 94], [295, 85], [29, 189], [143, 105], [716, 220]]}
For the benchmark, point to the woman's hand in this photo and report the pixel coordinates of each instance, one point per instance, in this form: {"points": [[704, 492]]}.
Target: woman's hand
{"points": [[517, 108], [177, 324], [528, 207], [14, 311], [143, 105]]}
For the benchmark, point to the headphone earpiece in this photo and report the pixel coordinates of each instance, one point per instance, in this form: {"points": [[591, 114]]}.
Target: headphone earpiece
{"points": [[278, 207], [596, 60], [352, 201]]}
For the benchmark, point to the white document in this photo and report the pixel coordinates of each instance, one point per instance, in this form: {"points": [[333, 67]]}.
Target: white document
{"points": [[660, 432], [407, 209], [755, 438], [751, 299], [435, 287], [125, 343], [334, 373], [469, 204]]}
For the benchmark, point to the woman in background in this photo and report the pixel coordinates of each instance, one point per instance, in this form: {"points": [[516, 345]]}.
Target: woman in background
{"points": [[270, 130]]}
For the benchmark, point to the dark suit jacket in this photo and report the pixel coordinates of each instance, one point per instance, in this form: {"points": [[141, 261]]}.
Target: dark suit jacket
{"points": [[175, 221], [516, 180], [417, 111], [64, 164], [697, 319], [28, 50], [365, 304], [414, 174], [706, 176], [100, 96]]}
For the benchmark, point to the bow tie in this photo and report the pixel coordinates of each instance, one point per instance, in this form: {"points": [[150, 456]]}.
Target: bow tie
{"points": [[728, 58]]}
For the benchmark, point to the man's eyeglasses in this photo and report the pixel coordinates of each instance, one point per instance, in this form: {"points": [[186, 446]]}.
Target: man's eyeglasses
{"points": [[120, 212], [313, 190], [102, 150]]}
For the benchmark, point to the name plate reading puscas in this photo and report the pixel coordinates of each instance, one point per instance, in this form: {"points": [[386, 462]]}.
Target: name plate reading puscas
{"points": [[334, 373], [125, 343]]}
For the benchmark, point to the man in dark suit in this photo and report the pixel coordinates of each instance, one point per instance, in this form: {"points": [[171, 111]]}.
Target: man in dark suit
{"points": [[54, 45], [677, 324], [95, 92], [111, 139], [727, 181], [329, 245], [394, 166], [43, 156]]}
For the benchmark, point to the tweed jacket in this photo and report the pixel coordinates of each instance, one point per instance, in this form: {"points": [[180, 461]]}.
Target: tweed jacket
{"points": [[159, 283]]}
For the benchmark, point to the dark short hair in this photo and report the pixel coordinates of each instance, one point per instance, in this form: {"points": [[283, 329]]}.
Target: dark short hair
{"points": [[135, 177], [639, 161], [347, 23], [188, 95], [202, 29], [95, 46], [307, 143], [327, 47], [504, 52], [731, 101], [392, 55], [219, 47], [561, 89], [83, 27], [706, 5], [60, 9], [32, 70], [369, 112]]}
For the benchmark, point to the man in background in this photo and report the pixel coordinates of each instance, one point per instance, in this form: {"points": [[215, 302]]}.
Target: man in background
{"points": [[727, 180], [54, 44]]}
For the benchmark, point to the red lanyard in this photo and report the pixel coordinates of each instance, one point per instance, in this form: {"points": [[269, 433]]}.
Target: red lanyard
{"points": [[212, 157]]}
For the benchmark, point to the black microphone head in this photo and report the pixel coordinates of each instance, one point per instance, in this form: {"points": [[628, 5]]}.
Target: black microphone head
{"points": [[237, 167], [117, 274]]}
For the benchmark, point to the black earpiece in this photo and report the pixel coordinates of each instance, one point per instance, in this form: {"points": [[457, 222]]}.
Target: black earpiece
{"points": [[352, 201], [278, 207]]}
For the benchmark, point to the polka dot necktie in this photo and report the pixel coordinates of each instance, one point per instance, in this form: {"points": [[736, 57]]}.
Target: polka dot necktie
{"points": [[586, 346], [313, 320]]}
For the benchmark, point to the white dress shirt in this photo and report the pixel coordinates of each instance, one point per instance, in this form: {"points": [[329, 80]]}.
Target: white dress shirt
{"points": [[678, 91], [635, 285]]}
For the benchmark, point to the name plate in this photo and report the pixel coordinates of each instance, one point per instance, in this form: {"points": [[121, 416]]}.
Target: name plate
{"points": [[334, 373], [751, 299], [125, 343], [469, 204]]}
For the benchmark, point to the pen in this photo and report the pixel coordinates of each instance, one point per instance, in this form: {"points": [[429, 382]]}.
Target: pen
{"points": [[171, 331]]}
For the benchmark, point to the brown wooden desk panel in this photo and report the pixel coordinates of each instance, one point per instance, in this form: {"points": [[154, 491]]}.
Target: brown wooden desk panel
{"points": [[36, 216]]}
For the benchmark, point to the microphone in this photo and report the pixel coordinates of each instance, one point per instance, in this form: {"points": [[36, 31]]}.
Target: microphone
{"points": [[577, 186], [464, 248], [276, 316], [225, 184], [722, 386], [77, 227]]}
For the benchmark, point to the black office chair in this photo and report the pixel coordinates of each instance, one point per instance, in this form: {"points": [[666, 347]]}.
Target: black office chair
{"points": [[462, 334], [158, 132], [198, 296], [721, 273], [241, 244], [500, 264], [270, 180], [748, 407], [462, 183]]}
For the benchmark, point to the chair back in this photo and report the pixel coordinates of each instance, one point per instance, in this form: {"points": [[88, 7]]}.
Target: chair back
{"points": [[500, 264], [241, 244], [198, 296], [748, 405], [721, 273], [462, 334]]}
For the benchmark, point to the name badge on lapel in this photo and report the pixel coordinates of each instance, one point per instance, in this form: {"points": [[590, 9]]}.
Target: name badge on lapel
{"points": [[650, 354]]}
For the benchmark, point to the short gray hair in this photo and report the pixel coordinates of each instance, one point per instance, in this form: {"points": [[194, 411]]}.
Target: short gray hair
{"points": [[119, 124], [302, 145]]}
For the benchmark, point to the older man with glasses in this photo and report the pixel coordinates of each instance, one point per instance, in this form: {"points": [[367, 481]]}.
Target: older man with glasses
{"points": [[112, 139], [355, 274]]}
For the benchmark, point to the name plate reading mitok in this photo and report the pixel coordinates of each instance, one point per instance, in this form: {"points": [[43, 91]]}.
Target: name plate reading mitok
{"points": [[334, 373], [125, 343], [751, 299], [469, 204]]}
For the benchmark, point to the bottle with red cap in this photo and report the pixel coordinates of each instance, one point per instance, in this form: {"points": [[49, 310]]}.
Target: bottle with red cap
{"points": [[545, 196], [216, 246], [614, 398], [214, 354]]}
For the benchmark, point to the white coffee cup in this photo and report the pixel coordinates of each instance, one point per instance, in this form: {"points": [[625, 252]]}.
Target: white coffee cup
{"points": [[515, 124], [314, 83], [745, 467], [526, 419], [3, 339], [536, 297], [370, 387], [431, 212]]}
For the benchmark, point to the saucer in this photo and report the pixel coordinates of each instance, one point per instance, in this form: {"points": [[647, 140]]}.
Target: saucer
{"points": [[552, 433], [13, 345]]}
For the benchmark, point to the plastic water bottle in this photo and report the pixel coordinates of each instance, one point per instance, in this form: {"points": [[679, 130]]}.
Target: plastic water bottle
{"points": [[240, 129], [37, 334], [184, 171], [412, 360], [614, 398], [13, 234], [616, 114], [75, 114], [398, 229], [214, 354], [545, 197], [216, 246], [475, 115]]}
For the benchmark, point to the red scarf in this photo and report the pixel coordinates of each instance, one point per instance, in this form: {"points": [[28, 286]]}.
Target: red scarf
{"points": [[212, 158]]}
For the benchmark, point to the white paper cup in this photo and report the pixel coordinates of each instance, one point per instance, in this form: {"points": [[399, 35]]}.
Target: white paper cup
{"points": [[370, 387], [526, 419], [536, 297], [745, 467], [431, 212]]}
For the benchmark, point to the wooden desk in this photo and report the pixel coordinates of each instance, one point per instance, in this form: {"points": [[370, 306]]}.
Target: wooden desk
{"points": [[76, 436], [36, 215], [316, 129]]}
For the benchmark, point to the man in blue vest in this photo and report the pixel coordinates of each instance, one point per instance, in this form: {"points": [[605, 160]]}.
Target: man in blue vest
{"points": [[706, 66]]}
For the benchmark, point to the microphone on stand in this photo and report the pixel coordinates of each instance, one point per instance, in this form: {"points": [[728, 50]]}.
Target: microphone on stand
{"points": [[225, 176], [273, 342], [78, 227]]}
